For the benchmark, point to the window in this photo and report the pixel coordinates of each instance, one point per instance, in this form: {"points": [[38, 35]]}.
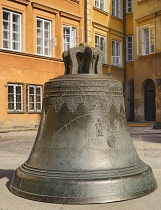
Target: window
{"points": [[34, 98], [116, 53], [128, 6], [116, 8], [100, 4], [15, 98], [69, 36], [11, 30], [145, 40], [129, 48], [100, 43], [43, 37]]}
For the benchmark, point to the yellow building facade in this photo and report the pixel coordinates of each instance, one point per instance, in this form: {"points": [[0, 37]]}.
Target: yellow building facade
{"points": [[147, 60], [33, 36]]}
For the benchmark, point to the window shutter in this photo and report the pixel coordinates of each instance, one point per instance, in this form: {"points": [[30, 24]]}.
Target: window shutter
{"points": [[139, 39], [79, 35], [151, 39]]}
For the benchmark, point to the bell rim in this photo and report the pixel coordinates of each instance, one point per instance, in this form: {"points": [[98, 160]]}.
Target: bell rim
{"points": [[82, 201]]}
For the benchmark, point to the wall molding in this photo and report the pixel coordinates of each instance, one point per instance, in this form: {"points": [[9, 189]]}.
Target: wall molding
{"points": [[24, 2], [70, 16], [44, 8]]}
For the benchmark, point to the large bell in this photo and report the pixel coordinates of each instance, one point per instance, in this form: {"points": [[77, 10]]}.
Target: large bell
{"points": [[83, 152]]}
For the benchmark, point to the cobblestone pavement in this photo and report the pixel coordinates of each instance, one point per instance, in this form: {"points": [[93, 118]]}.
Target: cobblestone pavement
{"points": [[16, 146]]}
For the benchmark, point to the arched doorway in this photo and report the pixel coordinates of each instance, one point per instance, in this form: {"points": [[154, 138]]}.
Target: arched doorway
{"points": [[149, 101]]}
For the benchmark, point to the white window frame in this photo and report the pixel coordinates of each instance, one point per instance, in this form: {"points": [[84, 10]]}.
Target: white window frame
{"points": [[10, 31], [44, 40], [100, 4], [129, 6], [15, 98], [34, 102], [71, 37], [101, 46], [117, 8], [129, 48], [116, 53], [145, 45]]}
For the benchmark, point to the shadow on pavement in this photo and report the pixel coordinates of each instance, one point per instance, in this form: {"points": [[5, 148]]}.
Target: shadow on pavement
{"points": [[8, 174]]}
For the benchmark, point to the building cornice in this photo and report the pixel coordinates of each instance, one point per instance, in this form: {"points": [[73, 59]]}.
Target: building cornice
{"points": [[70, 16], [24, 2], [74, 1], [9, 52], [106, 28], [44, 8], [147, 17]]}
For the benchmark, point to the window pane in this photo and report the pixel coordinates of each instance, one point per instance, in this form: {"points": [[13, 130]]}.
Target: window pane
{"points": [[18, 106], [38, 98], [38, 90], [31, 98], [15, 37], [47, 34], [129, 45], [5, 35], [46, 43], [97, 3], [15, 28], [31, 106], [38, 106], [16, 18], [6, 45], [46, 51], [39, 32], [6, 25], [113, 7], [39, 41], [6, 15], [18, 98], [18, 90], [130, 57], [10, 89], [47, 26], [11, 106], [31, 90], [39, 50], [102, 4], [129, 51], [10, 98], [39, 23]]}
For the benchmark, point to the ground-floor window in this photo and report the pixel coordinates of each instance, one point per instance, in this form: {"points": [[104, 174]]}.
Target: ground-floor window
{"points": [[15, 98], [34, 98], [24, 98]]}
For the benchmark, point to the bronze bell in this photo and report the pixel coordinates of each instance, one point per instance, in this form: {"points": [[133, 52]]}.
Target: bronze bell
{"points": [[83, 152]]}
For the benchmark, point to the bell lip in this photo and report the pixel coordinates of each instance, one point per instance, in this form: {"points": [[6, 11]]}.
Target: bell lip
{"points": [[81, 201]]}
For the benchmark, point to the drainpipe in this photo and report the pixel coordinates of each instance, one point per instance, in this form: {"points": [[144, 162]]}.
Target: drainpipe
{"points": [[85, 21], [124, 45]]}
